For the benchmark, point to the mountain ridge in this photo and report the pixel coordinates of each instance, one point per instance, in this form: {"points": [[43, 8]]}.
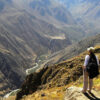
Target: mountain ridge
{"points": [[72, 50], [58, 75], [24, 38]]}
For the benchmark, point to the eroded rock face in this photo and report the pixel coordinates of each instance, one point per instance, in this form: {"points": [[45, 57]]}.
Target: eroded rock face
{"points": [[31, 84], [74, 93]]}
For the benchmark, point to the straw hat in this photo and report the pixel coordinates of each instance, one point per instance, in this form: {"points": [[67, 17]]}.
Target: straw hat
{"points": [[91, 49]]}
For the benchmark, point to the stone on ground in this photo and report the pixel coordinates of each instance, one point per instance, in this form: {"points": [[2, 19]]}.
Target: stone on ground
{"points": [[74, 93]]}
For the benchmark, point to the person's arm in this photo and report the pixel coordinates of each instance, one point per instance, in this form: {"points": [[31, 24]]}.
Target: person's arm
{"points": [[86, 62], [84, 67], [97, 60]]}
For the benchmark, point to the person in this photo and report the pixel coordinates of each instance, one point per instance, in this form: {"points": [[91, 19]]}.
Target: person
{"points": [[86, 73]]}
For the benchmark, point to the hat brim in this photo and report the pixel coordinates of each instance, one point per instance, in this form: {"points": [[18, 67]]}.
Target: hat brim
{"points": [[90, 49]]}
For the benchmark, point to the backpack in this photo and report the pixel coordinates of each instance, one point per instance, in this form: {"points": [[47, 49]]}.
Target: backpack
{"points": [[92, 67]]}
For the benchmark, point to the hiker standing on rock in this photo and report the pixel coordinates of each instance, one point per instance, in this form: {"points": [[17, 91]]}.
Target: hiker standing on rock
{"points": [[90, 69]]}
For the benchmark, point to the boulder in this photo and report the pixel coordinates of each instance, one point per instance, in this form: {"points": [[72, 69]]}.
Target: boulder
{"points": [[74, 93]]}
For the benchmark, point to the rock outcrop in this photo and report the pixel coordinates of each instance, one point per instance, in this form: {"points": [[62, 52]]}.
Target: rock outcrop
{"points": [[74, 93]]}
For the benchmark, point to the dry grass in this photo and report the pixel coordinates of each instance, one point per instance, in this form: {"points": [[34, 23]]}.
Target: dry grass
{"points": [[50, 94], [56, 93]]}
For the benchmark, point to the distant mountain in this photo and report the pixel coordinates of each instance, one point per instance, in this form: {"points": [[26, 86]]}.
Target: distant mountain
{"points": [[25, 36], [70, 3], [72, 50], [47, 9], [86, 13], [55, 14]]}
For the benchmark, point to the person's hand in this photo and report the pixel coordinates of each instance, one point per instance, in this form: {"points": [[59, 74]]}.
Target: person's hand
{"points": [[84, 67]]}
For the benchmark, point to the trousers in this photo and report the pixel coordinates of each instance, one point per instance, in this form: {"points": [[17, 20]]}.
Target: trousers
{"points": [[87, 82]]}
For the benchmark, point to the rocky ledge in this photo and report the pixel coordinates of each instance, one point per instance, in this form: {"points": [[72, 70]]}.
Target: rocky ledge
{"points": [[74, 93]]}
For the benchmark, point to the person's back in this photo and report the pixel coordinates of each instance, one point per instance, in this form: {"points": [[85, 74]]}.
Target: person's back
{"points": [[90, 69]]}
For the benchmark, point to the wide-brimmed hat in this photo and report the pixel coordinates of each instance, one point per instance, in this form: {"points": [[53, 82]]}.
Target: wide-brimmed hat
{"points": [[91, 49]]}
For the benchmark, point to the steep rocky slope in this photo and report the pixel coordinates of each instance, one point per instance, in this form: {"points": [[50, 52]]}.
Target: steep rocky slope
{"points": [[23, 38], [13, 62], [55, 76], [61, 75], [19, 51], [35, 32], [24, 20]]}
